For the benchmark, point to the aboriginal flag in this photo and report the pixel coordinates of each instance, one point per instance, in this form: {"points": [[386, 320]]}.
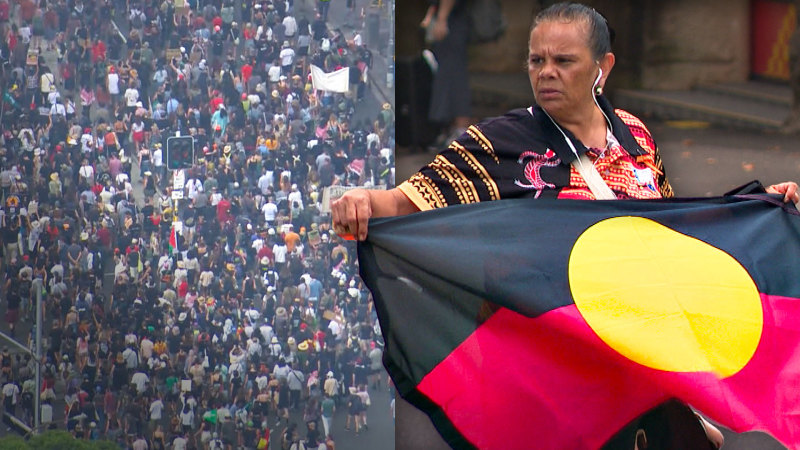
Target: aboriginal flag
{"points": [[554, 323]]}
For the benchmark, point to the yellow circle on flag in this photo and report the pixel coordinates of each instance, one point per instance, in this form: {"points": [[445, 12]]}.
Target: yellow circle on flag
{"points": [[663, 299]]}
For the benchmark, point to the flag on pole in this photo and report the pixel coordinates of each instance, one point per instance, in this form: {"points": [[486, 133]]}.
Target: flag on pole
{"points": [[560, 321], [338, 81], [173, 240]]}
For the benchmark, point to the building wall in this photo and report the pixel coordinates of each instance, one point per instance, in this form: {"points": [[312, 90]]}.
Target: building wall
{"points": [[688, 42], [660, 44]]}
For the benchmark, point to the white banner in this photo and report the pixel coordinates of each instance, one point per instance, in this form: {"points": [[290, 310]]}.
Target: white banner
{"points": [[338, 81]]}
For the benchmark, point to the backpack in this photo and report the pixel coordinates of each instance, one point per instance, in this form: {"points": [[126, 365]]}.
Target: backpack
{"points": [[136, 21]]}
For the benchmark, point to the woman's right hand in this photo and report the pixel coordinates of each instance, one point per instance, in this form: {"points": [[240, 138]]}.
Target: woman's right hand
{"points": [[351, 213]]}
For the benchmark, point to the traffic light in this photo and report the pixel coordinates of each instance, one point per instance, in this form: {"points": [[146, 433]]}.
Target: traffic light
{"points": [[180, 152]]}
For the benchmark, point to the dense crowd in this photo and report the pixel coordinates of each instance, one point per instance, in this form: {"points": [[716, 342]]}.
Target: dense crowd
{"points": [[211, 332]]}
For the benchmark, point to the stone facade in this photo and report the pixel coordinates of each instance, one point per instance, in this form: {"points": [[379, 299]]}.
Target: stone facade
{"points": [[660, 44]]}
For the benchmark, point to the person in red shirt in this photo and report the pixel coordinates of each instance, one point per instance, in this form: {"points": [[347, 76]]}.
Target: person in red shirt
{"points": [[247, 72], [104, 235], [224, 211], [98, 51], [215, 101], [4, 11]]}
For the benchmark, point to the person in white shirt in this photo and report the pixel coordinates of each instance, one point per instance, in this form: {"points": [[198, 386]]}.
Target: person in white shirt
{"points": [[140, 380], [270, 211], [86, 173], [10, 397], [179, 443], [53, 97], [158, 162], [266, 331], [280, 250], [215, 196], [264, 183], [274, 72], [87, 141], [296, 196], [47, 84], [131, 97], [290, 26], [112, 81], [253, 347], [194, 188], [58, 109], [46, 411], [287, 58], [146, 348], [156, 408]]}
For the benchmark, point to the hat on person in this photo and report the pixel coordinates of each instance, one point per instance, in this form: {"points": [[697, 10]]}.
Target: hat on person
{"points": [[54, 176], [274, 340], [134, 241], [275, 93], [303, 346], [182, 316], [329, 374]]}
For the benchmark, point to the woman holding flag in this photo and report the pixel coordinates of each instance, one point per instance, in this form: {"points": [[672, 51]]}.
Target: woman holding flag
{"points": [[572, 144]]}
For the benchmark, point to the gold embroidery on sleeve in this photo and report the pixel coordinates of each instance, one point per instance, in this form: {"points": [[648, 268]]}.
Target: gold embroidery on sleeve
{"points": [[485, 143], [480, 170], [463, 186]]}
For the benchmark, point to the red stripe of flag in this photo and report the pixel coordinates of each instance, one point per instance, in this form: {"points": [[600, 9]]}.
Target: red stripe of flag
{"points": [[551, 382]]}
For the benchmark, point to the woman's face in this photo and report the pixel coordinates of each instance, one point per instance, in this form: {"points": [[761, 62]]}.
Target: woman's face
{"points": [[561, 68]]}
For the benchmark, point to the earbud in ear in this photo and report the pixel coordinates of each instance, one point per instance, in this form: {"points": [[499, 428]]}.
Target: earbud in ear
{"points": [[598, 90]]}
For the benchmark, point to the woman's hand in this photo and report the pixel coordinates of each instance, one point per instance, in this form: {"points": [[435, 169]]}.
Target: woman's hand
{"points": [[351, 212], [788, 189]]}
